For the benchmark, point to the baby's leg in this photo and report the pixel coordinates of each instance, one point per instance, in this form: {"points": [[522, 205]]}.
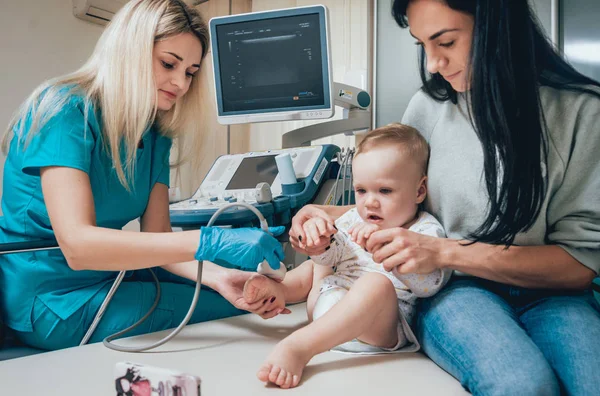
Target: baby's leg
{"points": [[294, 288], [319, 272], [369, 312]]}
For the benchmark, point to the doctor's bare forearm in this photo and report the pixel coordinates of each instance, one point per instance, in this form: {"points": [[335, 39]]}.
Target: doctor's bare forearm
{"points": [[540, 267], [104, 249], [188, 270], [212, 274]]}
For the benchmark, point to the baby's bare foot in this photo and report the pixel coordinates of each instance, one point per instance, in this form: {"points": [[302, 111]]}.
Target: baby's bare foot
{"points": [[284, 366], [259, 287]]}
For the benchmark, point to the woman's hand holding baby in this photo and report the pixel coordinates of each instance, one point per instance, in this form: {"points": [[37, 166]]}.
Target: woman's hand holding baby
{"points": [[311, 230], [411, 252]]}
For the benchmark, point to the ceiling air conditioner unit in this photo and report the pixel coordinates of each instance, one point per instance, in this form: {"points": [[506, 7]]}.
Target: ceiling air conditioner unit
{"points": [[97, 11]]}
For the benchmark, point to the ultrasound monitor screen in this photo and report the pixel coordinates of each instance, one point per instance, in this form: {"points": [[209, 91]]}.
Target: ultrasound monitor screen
{"points": [[272, 64], [254, 170]]}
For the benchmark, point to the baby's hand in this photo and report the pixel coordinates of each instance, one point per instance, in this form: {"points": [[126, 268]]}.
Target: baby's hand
{"points": [[316, 231], [361, 232]]}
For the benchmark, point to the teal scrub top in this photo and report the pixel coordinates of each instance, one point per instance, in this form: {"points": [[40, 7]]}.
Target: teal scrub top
{"points": [[66, 140]]}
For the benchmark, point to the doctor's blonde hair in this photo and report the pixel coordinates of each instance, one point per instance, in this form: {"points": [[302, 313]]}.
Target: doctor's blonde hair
{"points": [[118, 78]]}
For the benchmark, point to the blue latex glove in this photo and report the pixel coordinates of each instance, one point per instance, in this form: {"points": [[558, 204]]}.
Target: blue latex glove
{"points": [[246, 247]]}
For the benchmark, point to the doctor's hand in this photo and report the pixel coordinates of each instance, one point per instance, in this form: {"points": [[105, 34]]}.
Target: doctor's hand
{"points": [[311, 230], [245, 247], [231, 287], [410, 252]]}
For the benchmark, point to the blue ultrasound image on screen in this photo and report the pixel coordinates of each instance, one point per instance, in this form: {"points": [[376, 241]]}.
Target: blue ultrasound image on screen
{"points": [[271, 63], [254, 170]]}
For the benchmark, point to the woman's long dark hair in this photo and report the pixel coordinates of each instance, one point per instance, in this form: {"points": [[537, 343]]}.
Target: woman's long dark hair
{"points": [[510, 59]]}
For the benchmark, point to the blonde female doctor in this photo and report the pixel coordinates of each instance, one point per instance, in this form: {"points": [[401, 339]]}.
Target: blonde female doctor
{"points": [[89, 152]]}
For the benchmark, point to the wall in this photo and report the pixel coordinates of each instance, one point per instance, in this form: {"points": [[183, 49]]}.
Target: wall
{"points": [[396, 72], [39, 40], [543, 9], [581, 35]]}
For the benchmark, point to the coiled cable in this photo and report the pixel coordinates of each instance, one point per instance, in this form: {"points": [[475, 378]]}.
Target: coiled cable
{"points": [[108, 341]]}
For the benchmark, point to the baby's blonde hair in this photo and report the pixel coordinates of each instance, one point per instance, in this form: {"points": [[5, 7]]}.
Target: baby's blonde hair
{"points": [[118, 78], [406, 138]]}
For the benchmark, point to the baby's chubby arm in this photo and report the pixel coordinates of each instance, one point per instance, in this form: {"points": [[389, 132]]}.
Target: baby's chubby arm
{"points": [[360, 233]]}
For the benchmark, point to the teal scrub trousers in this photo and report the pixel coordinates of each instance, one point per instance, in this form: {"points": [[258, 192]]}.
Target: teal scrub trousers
{"points": [[131, 302]]}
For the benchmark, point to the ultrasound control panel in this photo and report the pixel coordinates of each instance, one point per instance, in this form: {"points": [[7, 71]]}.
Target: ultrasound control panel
{"points": [[234, 177]]}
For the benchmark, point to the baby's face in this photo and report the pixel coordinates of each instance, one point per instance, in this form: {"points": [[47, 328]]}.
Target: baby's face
{"points": [[389, 186]]}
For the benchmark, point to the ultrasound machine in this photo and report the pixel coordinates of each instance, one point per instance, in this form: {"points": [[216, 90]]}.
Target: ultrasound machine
{"points": [[275, 66]]}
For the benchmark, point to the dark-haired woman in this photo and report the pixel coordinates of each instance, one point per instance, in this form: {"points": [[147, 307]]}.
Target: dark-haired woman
{"points": [[514, 178]]}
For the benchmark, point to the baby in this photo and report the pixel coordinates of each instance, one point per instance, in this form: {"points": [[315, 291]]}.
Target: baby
{"points": [[354, 304]]}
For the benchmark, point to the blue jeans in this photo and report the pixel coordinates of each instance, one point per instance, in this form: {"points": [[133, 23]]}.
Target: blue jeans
{"points": [[503, 340], [133, 299]]}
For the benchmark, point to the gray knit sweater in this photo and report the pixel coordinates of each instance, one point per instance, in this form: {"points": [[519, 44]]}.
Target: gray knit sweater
{"points": [[457, 197]]}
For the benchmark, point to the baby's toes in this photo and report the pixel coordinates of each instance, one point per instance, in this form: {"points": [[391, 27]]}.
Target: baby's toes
{"points": [[282, 377], [289, 381], [263, 372], [274, 374]]}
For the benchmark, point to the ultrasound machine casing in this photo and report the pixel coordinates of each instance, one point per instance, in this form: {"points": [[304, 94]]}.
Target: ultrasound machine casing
{"points": [[234, 177], [268, 66]]}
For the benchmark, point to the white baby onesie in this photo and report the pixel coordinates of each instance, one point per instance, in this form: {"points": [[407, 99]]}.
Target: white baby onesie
{"points": [[350, 261]]}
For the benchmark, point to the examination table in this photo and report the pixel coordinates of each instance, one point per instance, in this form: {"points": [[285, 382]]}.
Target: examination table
{"points": [[226, 354]]}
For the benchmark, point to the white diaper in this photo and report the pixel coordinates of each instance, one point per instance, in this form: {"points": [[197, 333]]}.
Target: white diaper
{"points": [[331, 296]]}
